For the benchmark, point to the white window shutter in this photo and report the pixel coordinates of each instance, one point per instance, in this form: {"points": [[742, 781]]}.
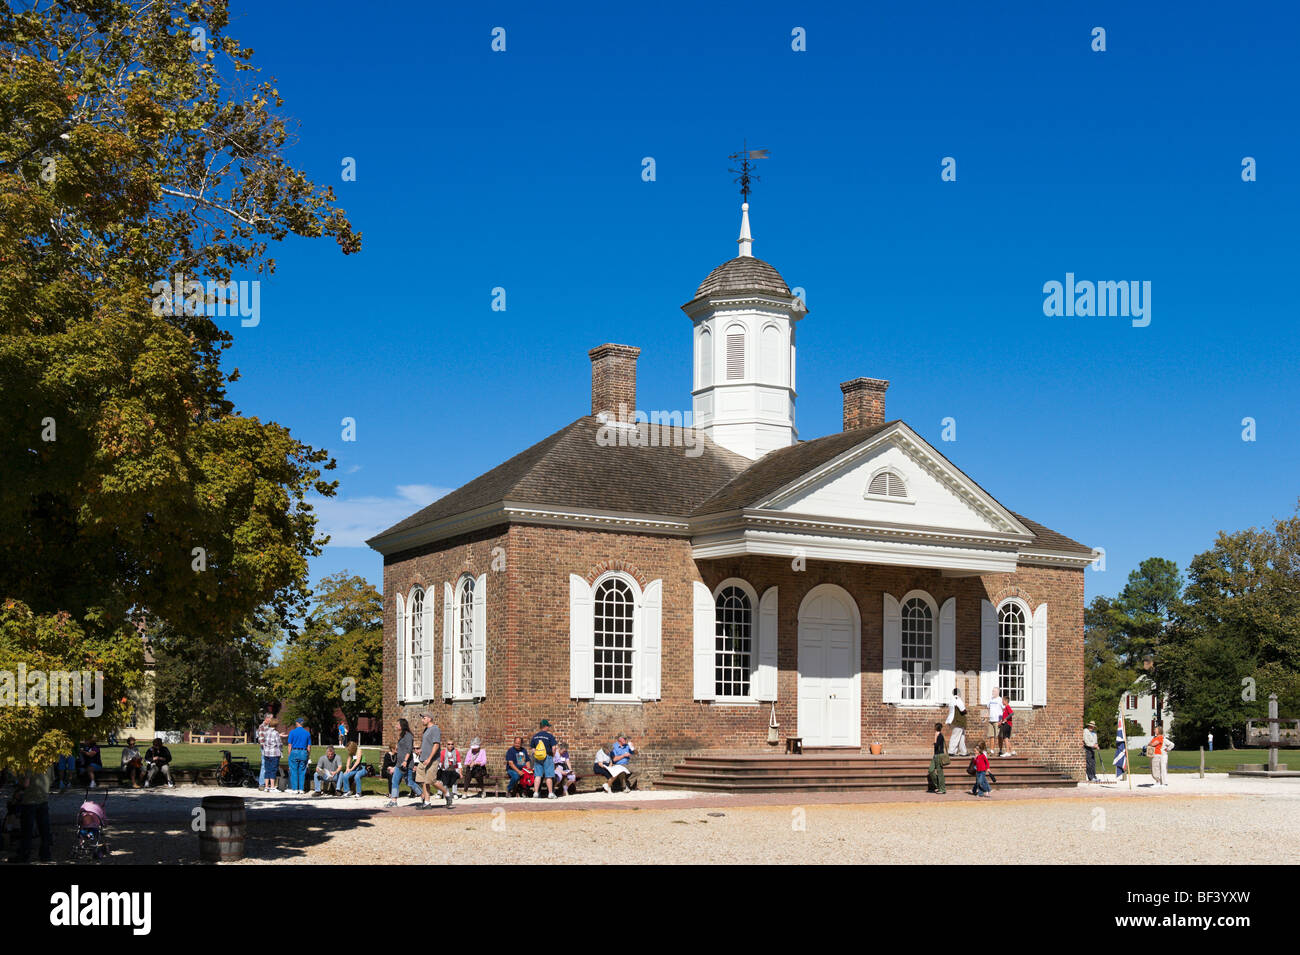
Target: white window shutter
{"points": [[448, 637], [401, 649], [582, 641], [478, 661], [706, 627], [430, 628], [1038, 661], [764, 687], [651, 662], [893, 652], [988, 650], [947, 678]]}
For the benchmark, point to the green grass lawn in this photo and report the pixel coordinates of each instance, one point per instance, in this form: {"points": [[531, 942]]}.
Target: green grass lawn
{"points": [[208, 756], [1189, 760]]}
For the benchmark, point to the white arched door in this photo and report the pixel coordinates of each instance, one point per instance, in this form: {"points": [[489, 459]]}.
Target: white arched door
{"points": [[830, 657]]}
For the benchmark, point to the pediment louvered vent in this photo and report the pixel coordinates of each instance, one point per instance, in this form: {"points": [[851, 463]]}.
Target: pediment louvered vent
{"points": [[887, 484]]}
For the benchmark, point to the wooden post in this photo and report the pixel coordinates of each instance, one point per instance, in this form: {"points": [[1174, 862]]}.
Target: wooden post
{"points": [[1202, 762], [1274, 739]]}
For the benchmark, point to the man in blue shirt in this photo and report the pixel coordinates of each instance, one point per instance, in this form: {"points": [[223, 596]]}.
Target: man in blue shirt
{"points": [[622, 754], [543, 765], [299, 756]]}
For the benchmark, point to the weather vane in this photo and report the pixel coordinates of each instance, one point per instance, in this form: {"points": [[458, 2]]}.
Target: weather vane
{"points": [[745, 174]]}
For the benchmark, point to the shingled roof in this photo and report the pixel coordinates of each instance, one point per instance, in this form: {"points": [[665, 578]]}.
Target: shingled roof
{"points": [[743, 274], [571, 469]]}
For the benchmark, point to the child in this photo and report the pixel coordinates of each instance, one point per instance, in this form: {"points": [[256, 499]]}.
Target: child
{"points": [[564, 773], [981, 787]]}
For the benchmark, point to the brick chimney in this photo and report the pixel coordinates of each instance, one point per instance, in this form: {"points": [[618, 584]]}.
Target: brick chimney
{"points": [[613, 379], [864, 402]]}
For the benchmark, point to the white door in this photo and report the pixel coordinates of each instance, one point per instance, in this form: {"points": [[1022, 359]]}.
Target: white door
{"points": [[829, 687]]}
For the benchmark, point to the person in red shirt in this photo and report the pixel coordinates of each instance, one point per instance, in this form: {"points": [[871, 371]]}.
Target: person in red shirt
{"points": [[981, 787]]}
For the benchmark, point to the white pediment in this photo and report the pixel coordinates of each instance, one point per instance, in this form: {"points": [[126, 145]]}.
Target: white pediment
{"points": [[936, 495]]}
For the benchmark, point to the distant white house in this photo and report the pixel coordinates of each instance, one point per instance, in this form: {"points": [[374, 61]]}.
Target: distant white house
{"points": [[1139, 705]]}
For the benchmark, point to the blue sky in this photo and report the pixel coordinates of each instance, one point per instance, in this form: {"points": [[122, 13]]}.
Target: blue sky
{"points": [[522, 169]]}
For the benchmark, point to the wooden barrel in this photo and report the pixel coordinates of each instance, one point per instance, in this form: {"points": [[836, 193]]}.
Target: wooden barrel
{"points": [[222, 837]]}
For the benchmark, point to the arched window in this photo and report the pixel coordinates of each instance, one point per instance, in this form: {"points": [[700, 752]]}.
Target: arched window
{"points": [[770, 355], [464, 665], [1013, 650], [735, 352], [615, 608], [415, 647], [917, 649], [887, 483], [734, 642], [706, 358]]}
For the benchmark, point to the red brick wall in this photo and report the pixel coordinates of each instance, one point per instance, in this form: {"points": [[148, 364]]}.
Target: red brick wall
{"points": [[528, 646]]}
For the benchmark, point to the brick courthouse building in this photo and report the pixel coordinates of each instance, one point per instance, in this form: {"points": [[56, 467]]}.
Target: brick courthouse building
{"points": [[679, 584]]}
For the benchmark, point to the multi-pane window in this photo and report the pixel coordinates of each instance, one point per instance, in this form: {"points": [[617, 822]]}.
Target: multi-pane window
{"points": [[415, 648], [465, 644], [918, 649], [613, 638], [1013, 643], [734, 642]]}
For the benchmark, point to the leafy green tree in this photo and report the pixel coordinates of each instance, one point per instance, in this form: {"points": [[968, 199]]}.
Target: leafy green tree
{"points": [[135, 146], [336, 660], [1142, 614], [202, 681], [1238, 636], [1107, 675]]}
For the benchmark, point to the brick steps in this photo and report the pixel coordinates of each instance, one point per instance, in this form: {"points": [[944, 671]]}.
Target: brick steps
{"points": [[846, 772]]}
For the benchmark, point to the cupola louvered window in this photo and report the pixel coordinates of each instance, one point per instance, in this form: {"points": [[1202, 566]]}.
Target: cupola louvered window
{"points": [[735, 355]]}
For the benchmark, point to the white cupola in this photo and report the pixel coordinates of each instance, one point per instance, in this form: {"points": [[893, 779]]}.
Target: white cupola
{"points": [[744, 319]]}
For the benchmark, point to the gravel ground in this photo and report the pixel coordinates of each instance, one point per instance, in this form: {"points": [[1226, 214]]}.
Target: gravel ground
{"points": [[1093, 825]]}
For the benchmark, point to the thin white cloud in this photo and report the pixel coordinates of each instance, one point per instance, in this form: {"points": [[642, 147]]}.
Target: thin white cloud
{"points": [[350, 521]]}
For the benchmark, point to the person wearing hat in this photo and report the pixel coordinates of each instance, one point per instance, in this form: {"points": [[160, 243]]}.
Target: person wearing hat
{"points": [[476, 766], [299, 757], [542, 746], [1090, 747], [621, 752]]}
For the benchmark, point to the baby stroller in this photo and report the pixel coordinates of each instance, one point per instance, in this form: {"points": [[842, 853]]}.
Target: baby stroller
{"points": [[91, 843]]}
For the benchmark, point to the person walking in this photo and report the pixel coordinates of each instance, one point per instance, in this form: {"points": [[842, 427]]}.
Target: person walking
{"points": [[299, 757], [268, 738], [404, 764], [426, 773], [1090, 747], [981, 787], [934, 777], [1210, 739], [543, 747], [343, 732], [957, 720], [33, 798]]}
